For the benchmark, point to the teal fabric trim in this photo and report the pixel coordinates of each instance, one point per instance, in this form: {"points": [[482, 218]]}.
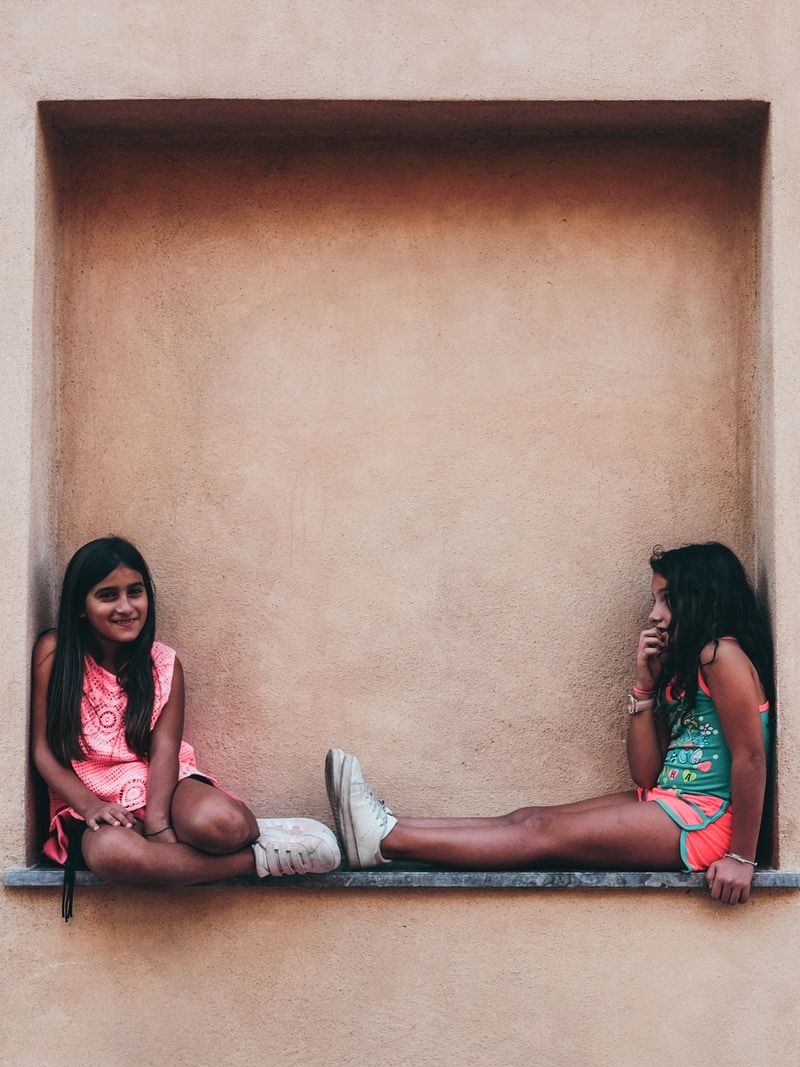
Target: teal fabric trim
{"points": [[685, 831], [684, 857], [707, 819], [665, 807], [688, 827]]}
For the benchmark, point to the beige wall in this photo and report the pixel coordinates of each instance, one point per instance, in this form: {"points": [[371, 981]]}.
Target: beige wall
{"points": [[389, 478], [398, 428]]}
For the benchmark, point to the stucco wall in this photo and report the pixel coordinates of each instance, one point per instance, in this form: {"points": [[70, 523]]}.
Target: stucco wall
{"points": [[398, 427], [367, 471]]}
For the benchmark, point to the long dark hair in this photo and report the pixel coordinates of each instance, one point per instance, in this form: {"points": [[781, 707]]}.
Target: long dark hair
{"points": [[87, 567], [710, 597]]}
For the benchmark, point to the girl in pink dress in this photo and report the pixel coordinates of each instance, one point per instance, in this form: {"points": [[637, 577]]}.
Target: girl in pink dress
{"points": [[108, 705]]}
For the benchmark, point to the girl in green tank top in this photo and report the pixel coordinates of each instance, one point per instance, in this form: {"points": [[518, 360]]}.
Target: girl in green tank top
{"points": [[699, 737]]}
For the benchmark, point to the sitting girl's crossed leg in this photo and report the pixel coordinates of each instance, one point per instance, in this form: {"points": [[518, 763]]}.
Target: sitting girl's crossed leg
{"points": [[212, 836], [209, 819]]}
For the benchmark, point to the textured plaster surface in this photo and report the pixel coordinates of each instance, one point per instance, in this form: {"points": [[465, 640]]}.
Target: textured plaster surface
{"points": [[398, 429], [502, 978], [445, 978]]}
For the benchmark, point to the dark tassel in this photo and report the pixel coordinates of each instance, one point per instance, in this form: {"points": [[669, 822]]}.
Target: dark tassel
{"points": [[75, 834], [67, 893]]}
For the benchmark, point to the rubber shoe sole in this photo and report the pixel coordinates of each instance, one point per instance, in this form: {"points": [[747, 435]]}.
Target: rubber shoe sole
{"points": [[345, 814], [339, 781], [333, 780], [343, 778]]}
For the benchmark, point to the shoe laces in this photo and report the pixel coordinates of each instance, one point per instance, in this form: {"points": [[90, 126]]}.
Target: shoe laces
{"points": [[379, 807]]}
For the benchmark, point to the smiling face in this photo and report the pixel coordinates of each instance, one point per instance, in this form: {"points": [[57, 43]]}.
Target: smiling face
{"points": [[661, 611], [116, 608]]}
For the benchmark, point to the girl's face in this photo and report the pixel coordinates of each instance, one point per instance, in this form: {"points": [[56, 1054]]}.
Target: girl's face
{"points": [[661, 611], [116, 608]]}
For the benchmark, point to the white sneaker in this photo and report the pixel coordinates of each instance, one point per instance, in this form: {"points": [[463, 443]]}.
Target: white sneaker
{"points": [[294, 846], [361, 819]]}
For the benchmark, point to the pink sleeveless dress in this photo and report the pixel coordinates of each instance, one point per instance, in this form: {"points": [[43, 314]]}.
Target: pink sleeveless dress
{"points": [[111, 770]]}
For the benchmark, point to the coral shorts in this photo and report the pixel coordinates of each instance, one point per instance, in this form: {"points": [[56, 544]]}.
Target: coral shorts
{"points": [[705, 823]]}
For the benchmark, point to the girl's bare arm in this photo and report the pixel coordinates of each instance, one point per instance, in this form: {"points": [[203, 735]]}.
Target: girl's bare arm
{"points": [[646, 739], [731, 680], [163, 773], [62, 780], [645, 748]]}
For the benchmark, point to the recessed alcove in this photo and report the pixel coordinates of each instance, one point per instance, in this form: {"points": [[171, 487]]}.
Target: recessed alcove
{"points": [[396, 397]]}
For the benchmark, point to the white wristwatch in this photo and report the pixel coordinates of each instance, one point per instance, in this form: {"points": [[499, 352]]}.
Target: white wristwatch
{"points": [[635, 705]]}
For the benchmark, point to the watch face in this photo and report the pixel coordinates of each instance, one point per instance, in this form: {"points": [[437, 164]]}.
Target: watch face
{"points": [[631, 704]]}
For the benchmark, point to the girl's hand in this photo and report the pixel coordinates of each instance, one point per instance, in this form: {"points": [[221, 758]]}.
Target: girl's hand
{"points": [[101, 812], [729, 881], [652, 643]]}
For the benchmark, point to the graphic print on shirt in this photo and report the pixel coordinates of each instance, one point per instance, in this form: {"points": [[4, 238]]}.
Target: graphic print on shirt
{"points": [[687, 736], [698, 759]]}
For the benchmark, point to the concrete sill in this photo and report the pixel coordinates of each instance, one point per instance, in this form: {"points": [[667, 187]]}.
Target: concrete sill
{"points": [[412, 876]]}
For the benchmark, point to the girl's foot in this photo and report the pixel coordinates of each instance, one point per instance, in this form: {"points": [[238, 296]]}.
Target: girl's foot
{"points": [[294, 846], [361, 819]]}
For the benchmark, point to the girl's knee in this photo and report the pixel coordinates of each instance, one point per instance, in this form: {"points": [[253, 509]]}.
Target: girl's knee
{"points": [[112, 853], [539, 832], [519, 816], [219, 826]]}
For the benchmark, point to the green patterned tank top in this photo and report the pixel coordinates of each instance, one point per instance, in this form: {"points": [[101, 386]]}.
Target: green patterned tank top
{"points": [[698, 760]]}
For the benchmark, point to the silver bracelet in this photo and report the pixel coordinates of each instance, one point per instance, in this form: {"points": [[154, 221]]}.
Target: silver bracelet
{"points": [[741, 859]]}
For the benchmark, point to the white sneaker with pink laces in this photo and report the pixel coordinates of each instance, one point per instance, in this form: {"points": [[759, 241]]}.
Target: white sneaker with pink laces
{"points": [[294, 846]]}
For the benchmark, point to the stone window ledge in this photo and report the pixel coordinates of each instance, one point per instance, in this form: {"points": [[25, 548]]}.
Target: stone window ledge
{"points": [[408, 876]]}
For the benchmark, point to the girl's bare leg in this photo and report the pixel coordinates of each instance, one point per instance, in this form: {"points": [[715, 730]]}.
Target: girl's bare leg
{"points": [[210, 820], [124, 857], [614, 835], [608, 800], [214, 832]]}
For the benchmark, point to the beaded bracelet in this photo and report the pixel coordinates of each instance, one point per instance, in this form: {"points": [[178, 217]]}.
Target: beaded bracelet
{"points": [[155, 833], [741, 859]]}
